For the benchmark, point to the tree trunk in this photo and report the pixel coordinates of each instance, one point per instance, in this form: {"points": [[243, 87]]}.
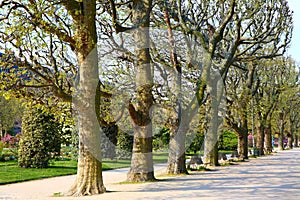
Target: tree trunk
{"points": [[290, 141], [291, 135], [211, 136], [260, 140], [296, 141], [280, 142], [89, 173], [176, 159], [268, 139], [141, 169], [243, 134], [281, 129], [245, 153], [210, 146], [243, 127], [243, 144], [268, 135], [210, 152]]}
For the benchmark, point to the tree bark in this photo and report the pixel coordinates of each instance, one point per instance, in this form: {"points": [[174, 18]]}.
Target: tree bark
{"points": [[281, 130], [243, 144], [268, 139], [141, 169], [260, 140], [291, 135], [243, 149], [290, 141], [242, 132], [296, 141], [89, 179], [176, 158], [178, 126], [211, 136]]}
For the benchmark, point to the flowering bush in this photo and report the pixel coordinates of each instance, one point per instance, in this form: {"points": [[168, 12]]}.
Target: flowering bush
{"points": [[11, 141]]}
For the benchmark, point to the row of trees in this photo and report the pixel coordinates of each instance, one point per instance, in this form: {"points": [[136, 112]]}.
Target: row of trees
{"points": [[166, 61], [260, 100]]}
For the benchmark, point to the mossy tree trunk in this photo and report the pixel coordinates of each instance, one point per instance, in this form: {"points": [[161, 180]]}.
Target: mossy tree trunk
{"points": [[141, 169], [89, 173]]}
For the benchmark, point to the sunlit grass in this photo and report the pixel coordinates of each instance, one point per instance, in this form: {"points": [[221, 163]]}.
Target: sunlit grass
{"points": [[11, 173]]}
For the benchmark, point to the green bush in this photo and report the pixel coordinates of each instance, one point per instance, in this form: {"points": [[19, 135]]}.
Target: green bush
{"points": [[161, 139], [124, 145], [197, 143], [74, 143], [228, 141], [40, 140]]}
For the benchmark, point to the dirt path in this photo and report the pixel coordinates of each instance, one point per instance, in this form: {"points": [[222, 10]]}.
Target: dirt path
{"points": [[272, 177]]}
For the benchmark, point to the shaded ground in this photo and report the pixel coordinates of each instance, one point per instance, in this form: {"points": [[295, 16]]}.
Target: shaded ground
{"points": [[275, 176]]}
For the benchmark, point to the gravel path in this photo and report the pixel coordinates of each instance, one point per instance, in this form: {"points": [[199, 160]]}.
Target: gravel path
{"points": [[272, 177]]}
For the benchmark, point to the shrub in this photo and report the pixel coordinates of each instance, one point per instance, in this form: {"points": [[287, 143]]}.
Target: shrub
{"points": [[161, 139], [40, 140], [228, 141], [74, 143], [11, 141], [124, 145], [197, 143]]}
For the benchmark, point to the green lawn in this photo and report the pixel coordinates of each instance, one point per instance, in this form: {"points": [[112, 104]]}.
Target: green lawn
{"points": [[11, 173]]}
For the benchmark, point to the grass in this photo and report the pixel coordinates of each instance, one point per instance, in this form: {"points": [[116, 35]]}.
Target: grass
{"points": [[11, 173]]}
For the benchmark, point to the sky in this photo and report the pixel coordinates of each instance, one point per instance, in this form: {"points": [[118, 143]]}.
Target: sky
{"points": [[294, 50]]}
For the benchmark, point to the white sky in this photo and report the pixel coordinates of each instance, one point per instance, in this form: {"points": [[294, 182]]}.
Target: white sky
{"points": [[294, 50]]}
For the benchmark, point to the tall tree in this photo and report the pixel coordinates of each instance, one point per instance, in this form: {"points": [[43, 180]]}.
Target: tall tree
{"points": [[265, 102], [89, 174], [41, 38], [140, 107], [273, 95], [240, 87], [231, 35]]}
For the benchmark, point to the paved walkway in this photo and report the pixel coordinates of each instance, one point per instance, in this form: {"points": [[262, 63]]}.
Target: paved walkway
{"points": [[272, 177]]}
